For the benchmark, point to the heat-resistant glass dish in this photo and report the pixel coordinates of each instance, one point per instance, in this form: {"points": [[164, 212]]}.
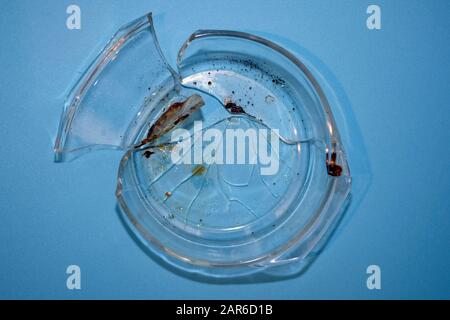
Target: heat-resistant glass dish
{"points": [[201, 212]]}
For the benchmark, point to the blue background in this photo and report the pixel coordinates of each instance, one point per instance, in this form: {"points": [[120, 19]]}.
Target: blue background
{"points": [[397, 81]]}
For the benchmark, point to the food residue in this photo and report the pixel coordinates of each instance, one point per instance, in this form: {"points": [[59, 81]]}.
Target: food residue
{"points": [[148, 153], [173, 116], [234, 108], [333, 168], [198, 170]]}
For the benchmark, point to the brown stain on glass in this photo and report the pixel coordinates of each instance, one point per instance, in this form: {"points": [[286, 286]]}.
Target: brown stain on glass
{"points": [[333, 168], [232, 107], [148, 154], [180, 119], [198, 170], [173, 116], [165, 147]]}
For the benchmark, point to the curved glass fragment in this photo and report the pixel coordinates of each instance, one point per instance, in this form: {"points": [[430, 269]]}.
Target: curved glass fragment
{"points": [[117, 93]]}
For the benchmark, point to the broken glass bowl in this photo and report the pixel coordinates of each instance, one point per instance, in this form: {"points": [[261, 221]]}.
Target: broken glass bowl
{"points": [[262, 209]]}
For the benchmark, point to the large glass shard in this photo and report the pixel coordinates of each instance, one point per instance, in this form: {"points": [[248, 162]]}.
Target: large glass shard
{"points": [[117, 93]]}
